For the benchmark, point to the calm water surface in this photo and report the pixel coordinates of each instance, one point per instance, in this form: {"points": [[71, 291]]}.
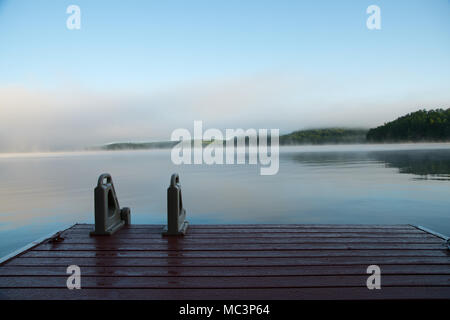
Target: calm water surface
{"points": [[374, 184]]}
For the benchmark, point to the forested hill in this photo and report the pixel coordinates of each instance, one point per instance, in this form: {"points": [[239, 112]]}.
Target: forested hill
{"points": [[419, 126], [422, 125], [324, 136]]}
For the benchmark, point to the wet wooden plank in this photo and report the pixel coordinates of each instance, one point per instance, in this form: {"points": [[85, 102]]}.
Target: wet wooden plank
{"points": [[299, 231], [266, 241], [124, 282], [231, 294], [254, 261], [314, 235], [204, 271], [264, 226], [233, 254], [229, 247]]}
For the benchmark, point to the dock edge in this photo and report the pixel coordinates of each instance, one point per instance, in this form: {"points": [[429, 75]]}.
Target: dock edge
{"points": [[434, 233], [31, 245]]}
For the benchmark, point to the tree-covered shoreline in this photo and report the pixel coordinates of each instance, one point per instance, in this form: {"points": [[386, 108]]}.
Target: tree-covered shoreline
{"points": [[324, 136], [419, 126]]}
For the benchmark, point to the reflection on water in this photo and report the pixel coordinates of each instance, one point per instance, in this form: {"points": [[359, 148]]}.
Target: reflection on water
{"points": [[391, 184], [425, 164]]}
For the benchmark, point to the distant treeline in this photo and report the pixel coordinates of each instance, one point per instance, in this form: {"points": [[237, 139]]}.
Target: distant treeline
{"points": [[138, 145], [419, 126], [324, 136], [422, 125], [316, 136]]}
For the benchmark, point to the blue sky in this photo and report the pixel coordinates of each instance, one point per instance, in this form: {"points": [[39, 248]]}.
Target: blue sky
{"points": [[155, 66]]}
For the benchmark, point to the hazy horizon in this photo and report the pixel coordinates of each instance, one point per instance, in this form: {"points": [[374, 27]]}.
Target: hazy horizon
{"points": [[138, 71]]}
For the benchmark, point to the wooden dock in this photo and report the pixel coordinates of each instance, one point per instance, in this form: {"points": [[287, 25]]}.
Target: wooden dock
{"points": [[234, 262]]}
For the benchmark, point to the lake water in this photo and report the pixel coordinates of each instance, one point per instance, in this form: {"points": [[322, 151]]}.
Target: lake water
{"points": [[357, 184]]}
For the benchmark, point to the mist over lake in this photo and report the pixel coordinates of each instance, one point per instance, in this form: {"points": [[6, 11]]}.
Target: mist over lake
{"points": [[341, 184]]}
